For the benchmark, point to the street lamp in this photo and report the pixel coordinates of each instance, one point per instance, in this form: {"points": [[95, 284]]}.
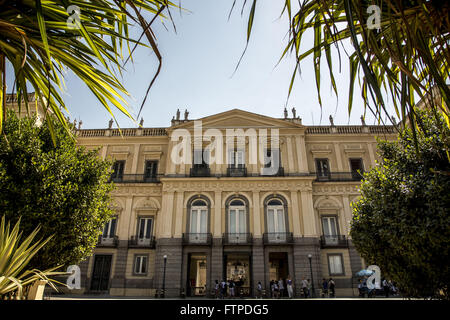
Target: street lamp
{"points": [[163, 294], [312, 279]]}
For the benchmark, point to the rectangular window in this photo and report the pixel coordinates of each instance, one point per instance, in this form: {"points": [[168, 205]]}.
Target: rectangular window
{"points": [[269, 157], [356, 167], [118, 169], [109, 231], [335, 264], [322, 168], [151, 169], [236, 158], [201, 158], [140, 265], [145, 228]]}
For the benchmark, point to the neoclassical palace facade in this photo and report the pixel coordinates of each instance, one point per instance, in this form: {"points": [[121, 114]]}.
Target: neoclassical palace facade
{"points": [[181, 226]]}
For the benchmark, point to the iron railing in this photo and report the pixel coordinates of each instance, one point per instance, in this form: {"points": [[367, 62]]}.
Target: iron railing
{"points": [[108, 242], [337, 241], [237, 238], [135, 178], [197, 238], [137, 242], [279, 173], [237, 171], [200, 171], [278, 238], [339, 176]]}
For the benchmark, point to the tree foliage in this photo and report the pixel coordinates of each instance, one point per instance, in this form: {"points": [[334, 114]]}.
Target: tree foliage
{"points": [[402, 221], [44, 39], [405, 57], [63, 188]]}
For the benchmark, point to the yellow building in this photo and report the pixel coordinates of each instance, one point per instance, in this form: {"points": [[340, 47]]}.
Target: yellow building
{"points": [[182, 226]]}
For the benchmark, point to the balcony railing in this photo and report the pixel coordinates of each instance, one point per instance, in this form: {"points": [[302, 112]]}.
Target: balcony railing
{"points": [[197, 238], [339, 176], [237, 171], [108, 242], [237, 238], [136, 242], [135, 178], [278, 238], [337, 241], [279, 173], [200, 171]]}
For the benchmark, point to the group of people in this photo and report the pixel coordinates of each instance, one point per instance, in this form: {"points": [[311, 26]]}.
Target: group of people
{"points": [[279, 289], [227, 288], [328, 288], [388, 288]]}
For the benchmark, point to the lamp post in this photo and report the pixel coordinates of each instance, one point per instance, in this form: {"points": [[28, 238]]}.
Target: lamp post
{"points": [[163, 294], [312, 279]]}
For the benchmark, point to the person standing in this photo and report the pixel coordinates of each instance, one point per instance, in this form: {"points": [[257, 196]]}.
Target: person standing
{"points": [[272, 288], [216, 289], [305, 287], [324, 288], [281, 287], [332, 287], [259, 290], [290, 289], [223, 289], [232, 288]]}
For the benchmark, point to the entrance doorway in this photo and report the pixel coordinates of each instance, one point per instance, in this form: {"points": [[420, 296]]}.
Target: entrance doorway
{"points": [[101, 272], [237, 268], [197, 274], [278, 265]]}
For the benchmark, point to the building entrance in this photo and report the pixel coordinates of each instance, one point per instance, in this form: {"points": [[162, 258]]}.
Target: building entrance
{"points": [[278, 265], [197, 275], [237, 268]]}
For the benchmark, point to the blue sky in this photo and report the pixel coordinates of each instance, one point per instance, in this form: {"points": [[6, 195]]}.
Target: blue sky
{"points": [[198, 64]]}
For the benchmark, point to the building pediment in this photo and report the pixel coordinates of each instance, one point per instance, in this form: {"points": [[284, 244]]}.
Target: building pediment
{"points": [[237, 118]]}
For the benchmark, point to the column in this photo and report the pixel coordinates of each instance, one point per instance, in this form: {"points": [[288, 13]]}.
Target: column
{"points": [[302, 160], [337, 151], [309, 220], [179, 215], [347, 214], [256, 216], [291, 166], [170, 165], [166, 215], [104, 151], [135, 159], [295, 214], [217, 229]]}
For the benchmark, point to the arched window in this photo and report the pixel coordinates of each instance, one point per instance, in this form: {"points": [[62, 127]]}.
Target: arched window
{"points": [[198, 221], [237, 221], [276, 220]]}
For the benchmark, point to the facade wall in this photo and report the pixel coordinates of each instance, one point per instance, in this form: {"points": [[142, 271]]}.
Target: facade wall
{"points": [[168, 199]]}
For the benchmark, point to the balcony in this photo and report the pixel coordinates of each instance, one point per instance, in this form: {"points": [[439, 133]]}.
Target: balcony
{"points": [[278, 238], [237, 238], [197, 238], [339, 176], [337, 241], [279, 173], [239, 171], [200, 171], [136, 242], [135, 178], [110, 242]]}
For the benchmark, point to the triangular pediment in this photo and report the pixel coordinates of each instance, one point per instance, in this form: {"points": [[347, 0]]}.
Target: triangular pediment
{"points": [[237, 118]]}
